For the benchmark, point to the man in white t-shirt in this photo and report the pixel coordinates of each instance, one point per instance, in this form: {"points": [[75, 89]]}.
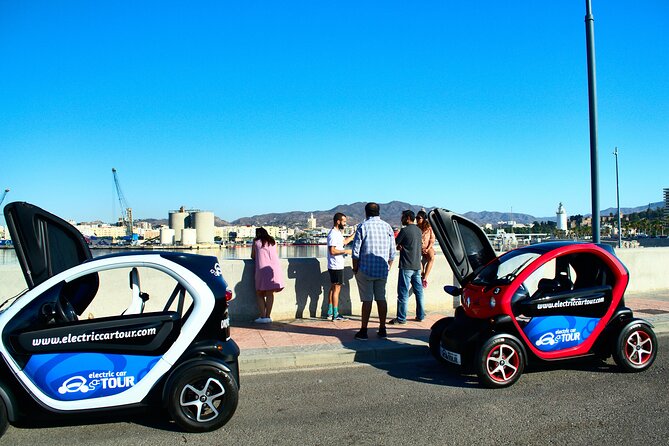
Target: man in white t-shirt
{"points": [[336, 253]]}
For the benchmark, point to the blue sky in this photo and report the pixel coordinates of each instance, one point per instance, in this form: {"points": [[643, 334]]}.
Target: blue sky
{"points": [[250, 107]]}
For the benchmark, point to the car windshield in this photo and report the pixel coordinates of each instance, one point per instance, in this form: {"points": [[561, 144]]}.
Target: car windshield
{"points": [[505, 268]]}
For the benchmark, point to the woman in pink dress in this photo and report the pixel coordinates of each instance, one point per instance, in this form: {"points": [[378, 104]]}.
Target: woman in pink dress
{"points": [[268, 274]]}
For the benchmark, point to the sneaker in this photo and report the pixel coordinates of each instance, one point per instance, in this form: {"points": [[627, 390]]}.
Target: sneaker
{"points": [[361, 335], [418, 319], [260, 320], [267, 320], [382, 333], [339, 317], [424, 283], [396, 322]]}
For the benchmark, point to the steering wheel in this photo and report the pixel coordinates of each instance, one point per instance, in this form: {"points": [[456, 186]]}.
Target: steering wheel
{"points": [[521, 293], [64, 310]]}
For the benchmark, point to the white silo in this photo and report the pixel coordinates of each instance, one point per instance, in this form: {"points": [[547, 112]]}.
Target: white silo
{"points": [[177, 222], [561, 215], [204, 225], [188, 237], [166, 236]]}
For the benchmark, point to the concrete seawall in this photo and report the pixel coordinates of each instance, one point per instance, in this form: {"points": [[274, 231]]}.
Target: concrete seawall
{"points": [[307, 284]]}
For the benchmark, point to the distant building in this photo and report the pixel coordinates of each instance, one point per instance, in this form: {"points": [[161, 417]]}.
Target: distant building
{"points": [[507, 224], [244, 233], [236, 233], [201, 221], [149, 233], [561, 215], [666, 202], [311, 222], [103, 230], [145, 225]]}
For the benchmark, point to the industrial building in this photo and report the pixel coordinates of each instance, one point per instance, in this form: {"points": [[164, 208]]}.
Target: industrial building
{"points": [[188, 227]]}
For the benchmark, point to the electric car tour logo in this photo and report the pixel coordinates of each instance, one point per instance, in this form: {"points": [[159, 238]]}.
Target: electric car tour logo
{"points": [[103, 380], [558, 336], [216, 271]]}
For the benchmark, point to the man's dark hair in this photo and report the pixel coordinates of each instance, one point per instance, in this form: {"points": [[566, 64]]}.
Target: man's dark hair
{"points": [[372, 210], [338, 216], [409, 214]]}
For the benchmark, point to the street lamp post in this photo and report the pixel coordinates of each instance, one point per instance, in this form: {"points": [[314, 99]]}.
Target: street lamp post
{"points": [[620, 240], [592, 90]]}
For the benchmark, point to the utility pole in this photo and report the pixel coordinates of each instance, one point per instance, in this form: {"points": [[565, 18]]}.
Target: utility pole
{"points": [[592, 95], [620, 236]]}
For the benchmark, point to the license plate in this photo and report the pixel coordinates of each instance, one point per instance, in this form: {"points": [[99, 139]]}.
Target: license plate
{"points": [[450, 356]]}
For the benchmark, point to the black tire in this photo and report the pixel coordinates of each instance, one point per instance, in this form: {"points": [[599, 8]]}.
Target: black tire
{"points": [[202, 398], [4, 422], [635, 348], [499, 362], [435, 339]]}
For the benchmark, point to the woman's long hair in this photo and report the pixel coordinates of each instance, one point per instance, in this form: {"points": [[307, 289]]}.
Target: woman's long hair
{"points": [[264, 237], [423, 225]]}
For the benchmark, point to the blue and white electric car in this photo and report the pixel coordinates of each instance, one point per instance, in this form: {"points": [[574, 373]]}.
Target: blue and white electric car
{"points": [[120, 331]]}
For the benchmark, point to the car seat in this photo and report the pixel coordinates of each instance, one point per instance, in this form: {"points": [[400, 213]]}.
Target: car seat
{"points": [[556, 285], [138, 298]]}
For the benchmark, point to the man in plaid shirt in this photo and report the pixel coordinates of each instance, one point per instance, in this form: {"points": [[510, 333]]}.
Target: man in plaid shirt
{"points": [[373, 253]]}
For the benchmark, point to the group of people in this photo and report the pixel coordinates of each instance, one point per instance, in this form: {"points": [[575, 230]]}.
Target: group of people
{"points": [[373, 252]]}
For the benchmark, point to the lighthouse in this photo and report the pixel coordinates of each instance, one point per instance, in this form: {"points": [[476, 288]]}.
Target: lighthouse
{"points": [[561, 215]]}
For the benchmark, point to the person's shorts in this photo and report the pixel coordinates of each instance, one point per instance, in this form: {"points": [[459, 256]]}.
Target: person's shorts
{"points": [[336, 276], [371, 288]]}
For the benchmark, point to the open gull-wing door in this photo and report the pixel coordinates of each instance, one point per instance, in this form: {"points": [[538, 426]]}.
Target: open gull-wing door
{"points": [[47, 245], [464, 243]]}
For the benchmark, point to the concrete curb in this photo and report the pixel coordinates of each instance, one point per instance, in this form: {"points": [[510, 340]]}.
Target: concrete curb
{"points": [[368, 352]]}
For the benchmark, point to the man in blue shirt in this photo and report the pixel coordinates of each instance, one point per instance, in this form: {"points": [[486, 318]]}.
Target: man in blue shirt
{"points": [[373, 253]]}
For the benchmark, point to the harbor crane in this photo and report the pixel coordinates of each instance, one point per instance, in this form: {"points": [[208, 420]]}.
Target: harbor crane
{"points": [[4, 194], [126, 210]]}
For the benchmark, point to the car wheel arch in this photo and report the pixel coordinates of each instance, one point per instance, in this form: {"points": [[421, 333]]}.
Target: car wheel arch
{"points": [[188, 363], [9, 400]]}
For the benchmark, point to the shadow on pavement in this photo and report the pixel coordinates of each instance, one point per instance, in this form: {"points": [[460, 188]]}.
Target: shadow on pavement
{"points": [[428, 371], [404, 354], [148, 417]]}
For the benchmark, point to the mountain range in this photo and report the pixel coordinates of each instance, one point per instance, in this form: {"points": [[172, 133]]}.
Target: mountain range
{"points": [[390, 212]]}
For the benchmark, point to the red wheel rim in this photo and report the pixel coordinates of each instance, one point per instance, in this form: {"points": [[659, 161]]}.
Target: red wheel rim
{"points": [[502, 363], [638, 348]]}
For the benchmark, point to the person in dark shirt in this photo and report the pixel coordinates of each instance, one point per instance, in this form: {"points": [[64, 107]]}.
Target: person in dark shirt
{"points": [[410, 243]]}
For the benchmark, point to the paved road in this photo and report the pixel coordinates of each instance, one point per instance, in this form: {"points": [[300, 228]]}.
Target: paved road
{"points": [[413, 403]]}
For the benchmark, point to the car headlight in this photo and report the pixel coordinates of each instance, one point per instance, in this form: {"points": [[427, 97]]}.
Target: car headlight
{"points": [[493, 302]]}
